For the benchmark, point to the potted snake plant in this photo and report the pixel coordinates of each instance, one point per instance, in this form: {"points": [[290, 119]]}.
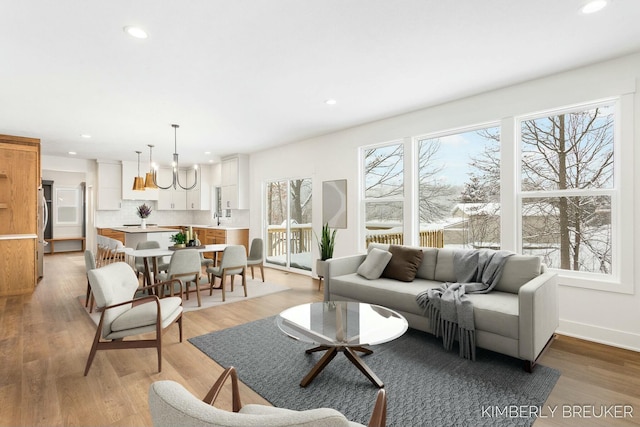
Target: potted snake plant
{"points": [[326, 243]]}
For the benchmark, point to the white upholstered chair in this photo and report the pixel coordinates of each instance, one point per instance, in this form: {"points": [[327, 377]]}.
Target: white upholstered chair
{"points": [[89, 264], [172, 405], [256, 256], [114, 286], [185, 265], [234, 262]]}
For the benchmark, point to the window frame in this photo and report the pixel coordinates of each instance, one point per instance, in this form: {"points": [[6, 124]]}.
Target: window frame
{"points": [[403, 198], [621, 193], [415, 142]]}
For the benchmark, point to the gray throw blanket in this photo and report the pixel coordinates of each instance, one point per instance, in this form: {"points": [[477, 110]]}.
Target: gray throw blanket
{"points": [[449, 310]]}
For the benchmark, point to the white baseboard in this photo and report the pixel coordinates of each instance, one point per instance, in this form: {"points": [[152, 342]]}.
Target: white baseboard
{"points": [[612, 337]]}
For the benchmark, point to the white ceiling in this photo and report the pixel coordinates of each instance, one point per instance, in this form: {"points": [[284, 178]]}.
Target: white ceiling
{"points": [[244, 75]]}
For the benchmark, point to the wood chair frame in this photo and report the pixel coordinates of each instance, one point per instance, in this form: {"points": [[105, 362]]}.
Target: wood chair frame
{"points": [[223, 278], [117, 344], [378, 416]]}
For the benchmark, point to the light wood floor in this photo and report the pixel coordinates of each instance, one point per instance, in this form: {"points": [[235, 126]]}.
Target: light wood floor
{"points": [[45, 338]]}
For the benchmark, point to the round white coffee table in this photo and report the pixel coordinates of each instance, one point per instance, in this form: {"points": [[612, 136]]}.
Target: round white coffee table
{"points": [[341, 326]]}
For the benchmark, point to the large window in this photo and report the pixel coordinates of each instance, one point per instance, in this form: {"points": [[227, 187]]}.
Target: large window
{"points": [[557, 184], [567, 187], [384, 193], [459, 189]]}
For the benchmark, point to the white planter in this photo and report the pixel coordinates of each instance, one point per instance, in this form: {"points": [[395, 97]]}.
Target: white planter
{"points": [[143, 223], [320, 267]]}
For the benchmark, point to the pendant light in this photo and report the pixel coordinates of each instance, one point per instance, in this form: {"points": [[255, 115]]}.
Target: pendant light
{"points": [[175, 167], [138, 182], [148, 179]]}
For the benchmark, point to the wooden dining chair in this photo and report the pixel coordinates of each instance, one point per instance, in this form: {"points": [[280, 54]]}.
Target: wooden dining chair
{"points": [[256, 256], [185, 265], [234, 262]]}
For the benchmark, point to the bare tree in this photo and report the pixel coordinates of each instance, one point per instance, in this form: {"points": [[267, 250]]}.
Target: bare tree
{"points": [[565, 152], [384, 171], [434, 194]]}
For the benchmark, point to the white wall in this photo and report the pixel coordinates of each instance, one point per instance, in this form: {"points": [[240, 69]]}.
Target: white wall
{"points": [[65, 181], [612, 318]]}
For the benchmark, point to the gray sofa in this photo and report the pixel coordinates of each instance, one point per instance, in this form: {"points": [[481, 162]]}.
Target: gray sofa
{"points": [[518, 318]]}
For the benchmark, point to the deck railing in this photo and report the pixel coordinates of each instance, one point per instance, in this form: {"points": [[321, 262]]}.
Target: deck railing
{"points": [[430, 238], [302, 239]]}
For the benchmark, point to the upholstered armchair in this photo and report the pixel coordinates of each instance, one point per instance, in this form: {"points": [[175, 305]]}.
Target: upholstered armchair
{"points": [[89, 264], [123, 316], [172, 405]]}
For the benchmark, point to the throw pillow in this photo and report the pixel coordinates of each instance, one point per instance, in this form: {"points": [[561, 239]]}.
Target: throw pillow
{"points": [[404, 263], [374, 263]]}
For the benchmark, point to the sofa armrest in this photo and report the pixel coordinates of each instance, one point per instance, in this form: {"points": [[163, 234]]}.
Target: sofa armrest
{"points": [[339, 267], [539, 316]]}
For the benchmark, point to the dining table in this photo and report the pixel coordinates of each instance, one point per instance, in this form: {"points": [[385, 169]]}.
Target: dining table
{"points": [[150, 256]]}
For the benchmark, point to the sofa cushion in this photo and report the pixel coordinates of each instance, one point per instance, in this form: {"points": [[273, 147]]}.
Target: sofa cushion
{"points": [[389, 293], [518, 270], [404, 263], [381, 246], [496, 312], [427, 269], [444, 271], [374, 264]]}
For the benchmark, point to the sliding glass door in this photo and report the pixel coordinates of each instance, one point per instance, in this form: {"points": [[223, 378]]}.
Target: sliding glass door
{"points": [[289, 237]]}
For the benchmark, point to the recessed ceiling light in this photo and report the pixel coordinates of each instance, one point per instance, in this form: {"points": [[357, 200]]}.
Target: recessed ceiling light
{"points": [[73, 153], [593, 6], [207, 153], [84, 135], [136, 32], [330, 102]]}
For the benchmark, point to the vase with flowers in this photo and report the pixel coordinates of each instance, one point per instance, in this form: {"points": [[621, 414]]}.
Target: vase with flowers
{"points": [[143, 212]]}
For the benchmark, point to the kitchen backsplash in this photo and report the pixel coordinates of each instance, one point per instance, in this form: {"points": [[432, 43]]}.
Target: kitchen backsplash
{"points": [[127, 215]]}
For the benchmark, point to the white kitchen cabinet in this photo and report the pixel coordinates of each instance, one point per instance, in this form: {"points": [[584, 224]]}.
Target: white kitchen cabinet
{"points": [[200, 197], [230, 197], [230, 171], [235, 182], [171, 199], [109, 185], [130, 171]]}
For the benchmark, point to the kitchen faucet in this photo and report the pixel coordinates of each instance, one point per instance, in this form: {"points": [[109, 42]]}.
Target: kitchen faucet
{"points": [[215, 215]]}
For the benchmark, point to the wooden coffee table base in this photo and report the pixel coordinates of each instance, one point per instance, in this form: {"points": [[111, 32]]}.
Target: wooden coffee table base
{"points": [[350, 353]]}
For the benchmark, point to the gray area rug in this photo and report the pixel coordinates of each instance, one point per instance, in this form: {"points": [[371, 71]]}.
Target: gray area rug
{"points": [[425, 384]]}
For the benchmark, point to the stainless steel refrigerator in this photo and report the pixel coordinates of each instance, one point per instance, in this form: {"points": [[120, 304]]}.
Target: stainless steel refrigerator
{"points": [[43, 220]]}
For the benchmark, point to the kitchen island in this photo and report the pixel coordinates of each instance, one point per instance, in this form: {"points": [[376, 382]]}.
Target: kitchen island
{"points": [[135, 235]]}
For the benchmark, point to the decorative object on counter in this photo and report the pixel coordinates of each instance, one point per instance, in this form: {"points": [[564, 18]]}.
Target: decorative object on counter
{"points": [[179, 240], [143, 212], [192, 238], [176, 179], [326, 243], [138, 182], [148, 178]]}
